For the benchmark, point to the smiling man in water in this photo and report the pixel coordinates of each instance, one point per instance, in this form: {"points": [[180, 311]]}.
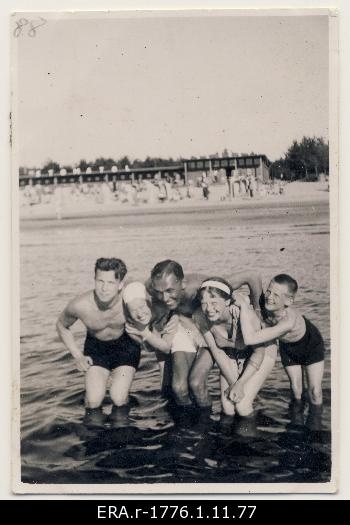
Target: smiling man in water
{"points": [[108, 350], [172, 293]]}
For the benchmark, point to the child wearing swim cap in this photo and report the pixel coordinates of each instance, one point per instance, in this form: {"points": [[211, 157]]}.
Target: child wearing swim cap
{"points": [[167, 335], [137, 308]]}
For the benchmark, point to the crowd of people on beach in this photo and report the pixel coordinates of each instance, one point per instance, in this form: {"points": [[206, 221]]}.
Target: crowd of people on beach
{"points": [[191, 324], [147, 191]]}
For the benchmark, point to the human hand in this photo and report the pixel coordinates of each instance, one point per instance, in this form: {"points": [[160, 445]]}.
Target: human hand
{"points": [[235, 393], [240, 299], [83, 362], [132, 330]]}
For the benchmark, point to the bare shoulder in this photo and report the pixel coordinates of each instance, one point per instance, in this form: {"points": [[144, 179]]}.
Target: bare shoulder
{"points": [[80, 304], [292, 316]]}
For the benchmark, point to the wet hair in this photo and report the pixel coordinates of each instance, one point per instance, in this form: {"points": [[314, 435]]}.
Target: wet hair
{"points": [[167, 267], [116, 265], [212, 290], [291, 283]]}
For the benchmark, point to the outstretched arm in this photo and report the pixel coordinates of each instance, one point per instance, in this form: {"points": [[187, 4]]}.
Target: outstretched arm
{"points": [[252, 332], [64, 322]]}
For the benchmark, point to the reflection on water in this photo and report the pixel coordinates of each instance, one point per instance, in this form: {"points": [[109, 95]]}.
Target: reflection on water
{"points": [[151, 441]]}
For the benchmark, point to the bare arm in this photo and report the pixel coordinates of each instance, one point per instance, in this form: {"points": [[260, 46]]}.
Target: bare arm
{"points": [[254, 282], [220, 340], [154, 338], [236, 392], [219, 357], [64, 322], [133, 335], [253, 334], [157, 341]]}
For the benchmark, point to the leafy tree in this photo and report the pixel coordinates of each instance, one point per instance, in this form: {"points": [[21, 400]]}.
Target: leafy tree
{"points": [[107, 163], [51, 165], [123, 161], [83, 165], [308, 157]]}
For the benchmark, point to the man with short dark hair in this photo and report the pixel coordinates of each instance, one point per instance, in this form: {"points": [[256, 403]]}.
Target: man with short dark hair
{"points": [[108, 350], [171, 292]]}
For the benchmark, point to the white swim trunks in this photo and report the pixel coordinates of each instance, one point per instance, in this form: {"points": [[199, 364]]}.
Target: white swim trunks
{"points": [[187, 338]]}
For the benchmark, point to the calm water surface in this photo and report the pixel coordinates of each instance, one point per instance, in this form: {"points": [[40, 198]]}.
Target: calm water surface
{"points": [[156, 443]]}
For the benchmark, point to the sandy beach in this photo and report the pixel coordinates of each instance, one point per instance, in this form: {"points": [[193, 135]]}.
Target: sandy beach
{"points": [[294, 193]]}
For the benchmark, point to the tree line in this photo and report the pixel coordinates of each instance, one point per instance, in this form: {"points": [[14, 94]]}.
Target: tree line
{"points": [[304, 160], [125, 161]]}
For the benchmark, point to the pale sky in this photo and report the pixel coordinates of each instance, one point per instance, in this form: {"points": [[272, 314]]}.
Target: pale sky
{"points": [[170, 86]]}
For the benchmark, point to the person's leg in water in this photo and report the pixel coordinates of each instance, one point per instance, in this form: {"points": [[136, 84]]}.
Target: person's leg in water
{"points": [[94, 417], [95, 386], [296, 412], [314, 376], [119, 416], [122, 378], [228, 407], [181, 366], [199, 378], [314, 417], [183, 353], [165, 373], [95, 390], [295, 376], [255, 382]]}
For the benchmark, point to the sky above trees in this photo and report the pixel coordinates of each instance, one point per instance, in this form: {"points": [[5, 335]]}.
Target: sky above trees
{"points": [[170, 86]]}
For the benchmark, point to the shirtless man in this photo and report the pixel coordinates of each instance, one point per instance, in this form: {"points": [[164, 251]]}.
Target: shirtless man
{"points": [[172, 292], [108, 350]]}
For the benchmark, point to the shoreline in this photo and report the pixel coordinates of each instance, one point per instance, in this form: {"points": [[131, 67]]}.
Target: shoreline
{"points": [[297, 194]]}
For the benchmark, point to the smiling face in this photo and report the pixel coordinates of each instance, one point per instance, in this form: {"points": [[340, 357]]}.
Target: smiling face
{"points": [[139, 311], [168, 289], [214, 306], [277, 297], [107, 286]]}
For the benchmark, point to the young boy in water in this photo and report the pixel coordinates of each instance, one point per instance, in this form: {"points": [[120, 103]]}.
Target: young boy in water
{"points": [[301, 344], [168, 334]]}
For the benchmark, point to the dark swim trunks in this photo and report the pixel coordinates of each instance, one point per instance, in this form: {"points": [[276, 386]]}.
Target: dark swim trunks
{"points": [[111, 354], [307, 351]]}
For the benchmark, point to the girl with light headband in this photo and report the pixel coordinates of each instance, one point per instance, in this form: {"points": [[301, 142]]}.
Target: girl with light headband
{"points": [[243, 369]]}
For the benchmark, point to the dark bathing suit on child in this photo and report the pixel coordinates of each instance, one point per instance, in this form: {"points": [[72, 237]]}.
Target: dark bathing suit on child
{"points": [[240, 355], [111, 354], [307, 351]]}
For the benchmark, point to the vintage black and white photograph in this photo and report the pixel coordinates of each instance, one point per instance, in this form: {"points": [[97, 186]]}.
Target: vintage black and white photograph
{"points": [[174, 181]]}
